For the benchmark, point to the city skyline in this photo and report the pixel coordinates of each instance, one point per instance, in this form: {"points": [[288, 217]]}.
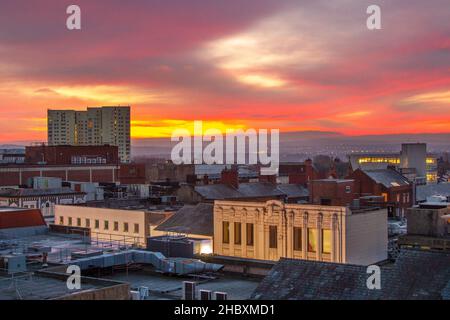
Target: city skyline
{"points": [[292, 65]]}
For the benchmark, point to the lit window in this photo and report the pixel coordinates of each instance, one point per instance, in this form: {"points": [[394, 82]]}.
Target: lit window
{"points": [[326, 241], [312, 240]]}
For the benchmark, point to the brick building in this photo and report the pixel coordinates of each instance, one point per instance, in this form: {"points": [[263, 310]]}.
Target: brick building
{"points": [[298, 172], [332, 192], [132, 173], [15, 175], [396, 190], [69, 155]]}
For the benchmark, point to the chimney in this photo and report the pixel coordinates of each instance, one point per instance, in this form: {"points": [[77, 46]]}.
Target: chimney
{"points": [[268, 178], [230, 177]]}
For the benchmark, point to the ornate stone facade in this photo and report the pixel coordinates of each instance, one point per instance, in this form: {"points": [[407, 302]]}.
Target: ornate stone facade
{"points": [[274, 229]]}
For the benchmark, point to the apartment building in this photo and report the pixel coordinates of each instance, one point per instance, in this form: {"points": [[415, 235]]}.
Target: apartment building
{"points": [[271, 230], [93, 127]]}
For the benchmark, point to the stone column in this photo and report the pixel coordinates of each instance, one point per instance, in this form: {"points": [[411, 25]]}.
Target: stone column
{"points": [[319, 237], [305, 236], [333, 238]]}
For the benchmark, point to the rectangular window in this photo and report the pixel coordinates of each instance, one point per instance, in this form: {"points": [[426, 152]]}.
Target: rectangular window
{"points": [[125, 227], [312, 240], [106, 225], [297, 239], [97, 224], [250, 234], [116, 226], [237, 233], [136, 228], [70, 221], [225, 232], [326, 241], [61, 220], [273, 237], [79, 222], [88, 223]]}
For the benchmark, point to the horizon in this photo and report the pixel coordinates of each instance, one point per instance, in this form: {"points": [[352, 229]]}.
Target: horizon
{"points": [[283, 65]]}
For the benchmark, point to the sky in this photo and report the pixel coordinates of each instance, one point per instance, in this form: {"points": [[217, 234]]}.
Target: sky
{"points": [[284, 64]]}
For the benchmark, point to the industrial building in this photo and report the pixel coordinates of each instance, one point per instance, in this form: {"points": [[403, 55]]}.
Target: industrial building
{"points": [[412, 161]]}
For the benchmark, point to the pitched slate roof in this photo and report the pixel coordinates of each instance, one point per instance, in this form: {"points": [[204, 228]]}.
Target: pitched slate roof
{"points": [[387, 177], [415, 275], [249, 190], [191, 219]]}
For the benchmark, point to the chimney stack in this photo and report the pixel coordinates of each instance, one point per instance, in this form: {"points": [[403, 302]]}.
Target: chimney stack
{"points": [[230, 177]]}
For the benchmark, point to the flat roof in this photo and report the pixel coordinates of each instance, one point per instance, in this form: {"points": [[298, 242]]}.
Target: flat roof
{"points": [[164, 287], [37, 287]]}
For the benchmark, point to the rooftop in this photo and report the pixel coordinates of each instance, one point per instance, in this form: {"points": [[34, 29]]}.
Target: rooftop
{"points": [[191, 219], [28, 192], [387, 177], [250, 190], [438, 189], [415, 275]]}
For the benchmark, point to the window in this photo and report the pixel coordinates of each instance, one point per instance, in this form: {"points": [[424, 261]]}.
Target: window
{"points": [[250, 234], [237, 233], [97, 224], [61, 220], [79, 222], [326, 241], [225, 232], [116, 226], [312, 240], [106, 225], [136, 228], [70, 221], [88, 223], [273, 237], [125, 227], [348, 189], [297, 239]]}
